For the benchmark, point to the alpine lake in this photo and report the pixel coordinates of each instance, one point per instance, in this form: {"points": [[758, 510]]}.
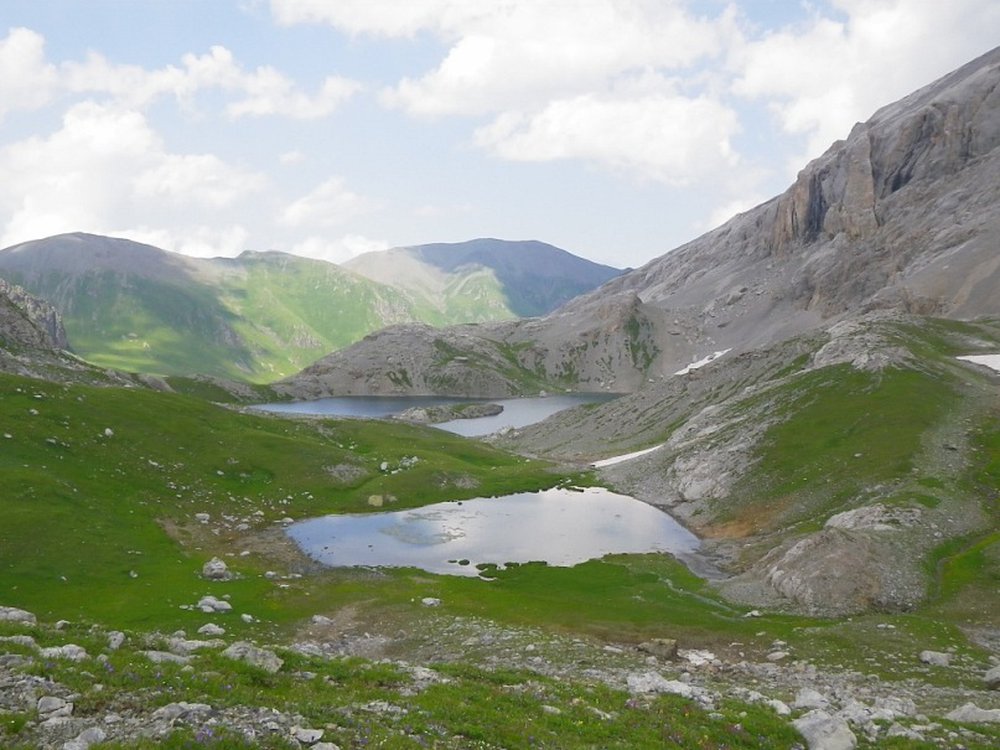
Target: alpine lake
{"points": [[562, 526]]}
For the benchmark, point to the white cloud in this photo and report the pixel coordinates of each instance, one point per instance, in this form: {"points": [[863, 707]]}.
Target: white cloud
{"points": [[823, 77], [202, 179], [329, 204], [526, 52], [271, 93], [388, 18], [26, 79], [263, 91], [336, 250], [291, 157], [662, 137], [583, 82], [106, 168]]}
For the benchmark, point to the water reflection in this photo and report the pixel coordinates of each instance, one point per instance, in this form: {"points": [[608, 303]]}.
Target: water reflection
{"points": [[560, 526]]}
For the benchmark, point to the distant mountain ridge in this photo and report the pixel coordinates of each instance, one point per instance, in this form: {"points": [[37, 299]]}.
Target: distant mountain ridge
{"points": [[256, 317], [529, 277]]}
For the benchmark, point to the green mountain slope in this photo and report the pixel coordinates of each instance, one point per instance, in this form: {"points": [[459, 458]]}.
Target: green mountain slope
{"points": [[262, 316], [257, 317]]}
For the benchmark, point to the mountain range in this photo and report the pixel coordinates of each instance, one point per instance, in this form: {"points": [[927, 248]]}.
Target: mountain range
{"points": [[265, 315], [903, 214]]}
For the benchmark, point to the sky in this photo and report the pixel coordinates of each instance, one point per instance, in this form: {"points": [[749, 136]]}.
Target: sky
{"points": [[615, 129]]}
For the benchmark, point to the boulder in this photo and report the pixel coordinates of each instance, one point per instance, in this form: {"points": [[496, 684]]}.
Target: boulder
{"points": [[992, 678], [181, 710], [50, 706], [661, 648], [825, 732], [216, 570], [70, 651], [972, 714], [13, 614], [85, 739], [250, 654], [210, 604], [653, 682], [809, 698], [307, 736], [165, 657], [935, 658], [211, 629]]}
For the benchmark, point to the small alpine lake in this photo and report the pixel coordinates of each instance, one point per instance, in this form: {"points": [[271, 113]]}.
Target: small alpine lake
{"points": [[560, 526], [517, 412]]}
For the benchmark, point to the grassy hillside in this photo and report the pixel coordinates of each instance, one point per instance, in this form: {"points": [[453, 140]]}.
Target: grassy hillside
{"points": [[258, 317]]}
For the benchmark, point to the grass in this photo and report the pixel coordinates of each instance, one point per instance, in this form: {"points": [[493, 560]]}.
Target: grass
{"points": [[111, 506], [840, 431]]}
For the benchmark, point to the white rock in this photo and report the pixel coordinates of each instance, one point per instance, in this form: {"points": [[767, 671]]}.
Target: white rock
{"points": [[258, 657], [21, 640], [809, 698], [430, 601], [653, 682], [50, 705], [780, 707], [896, 705], [973, 714], [992, 678], [321, 620], [898, 730], [186, 647], [85, 739], [824, 732], [180, 710], [216, 570], [211, 629], [116, 639], [165, 657], [202, 517], [307, 736], [935, 658], [325, 746], [13, 614], [210, 604], [70, 651], [108, 432]]}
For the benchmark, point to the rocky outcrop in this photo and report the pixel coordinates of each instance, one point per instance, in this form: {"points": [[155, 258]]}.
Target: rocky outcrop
{"points": [[27, 322]]}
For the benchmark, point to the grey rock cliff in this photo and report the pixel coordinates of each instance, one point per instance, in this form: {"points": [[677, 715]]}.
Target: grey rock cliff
{"points": [[28, 322]]}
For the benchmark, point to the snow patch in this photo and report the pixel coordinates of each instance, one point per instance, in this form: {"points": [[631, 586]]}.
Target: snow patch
{"points": [[990, 360], [702, 362], [624, 457]]}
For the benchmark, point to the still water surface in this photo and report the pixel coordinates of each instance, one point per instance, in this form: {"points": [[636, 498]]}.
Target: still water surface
{"points": [[517, 412], [563, 527]]}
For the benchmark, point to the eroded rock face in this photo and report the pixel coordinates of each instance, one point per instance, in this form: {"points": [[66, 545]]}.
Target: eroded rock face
{"points": [[27, 321]]}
